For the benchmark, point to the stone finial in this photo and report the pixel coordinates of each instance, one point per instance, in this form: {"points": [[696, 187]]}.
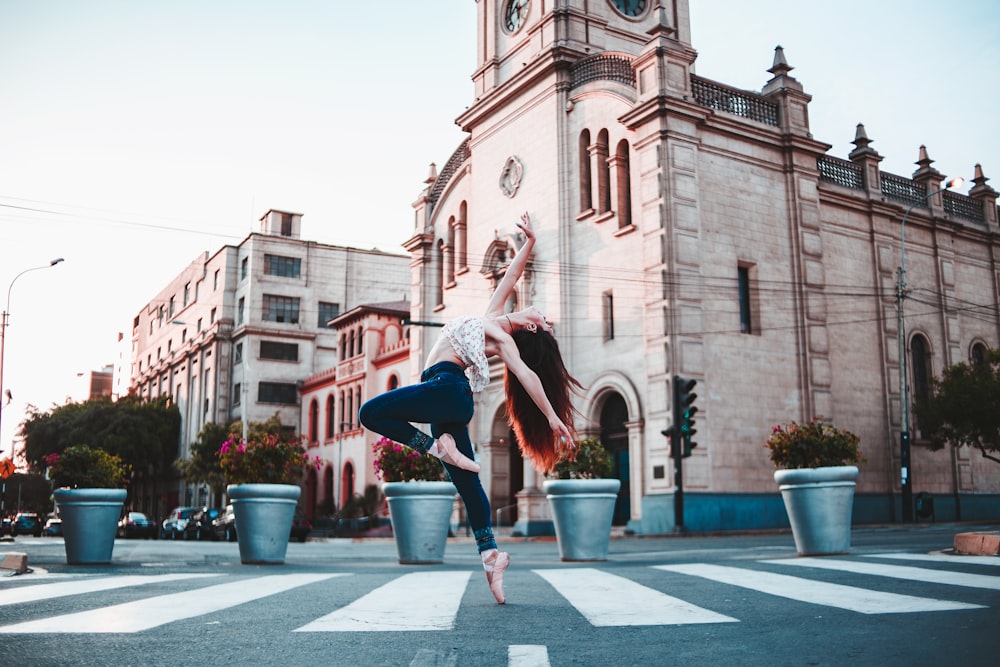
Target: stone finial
{"points": [[977, 175], [923, 160], [432, 175], [862, 142], [780, 66]]}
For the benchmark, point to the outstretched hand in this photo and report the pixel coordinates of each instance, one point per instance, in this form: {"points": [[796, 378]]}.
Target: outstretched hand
{"points": [[565, 438], [525, 225]]}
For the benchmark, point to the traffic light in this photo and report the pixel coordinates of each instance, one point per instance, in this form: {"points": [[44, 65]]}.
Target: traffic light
{"points": [[684, 412], [672, 440]]}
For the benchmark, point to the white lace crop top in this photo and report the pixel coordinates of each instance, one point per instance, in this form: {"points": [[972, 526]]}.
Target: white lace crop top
{"points": [[468, 339]]}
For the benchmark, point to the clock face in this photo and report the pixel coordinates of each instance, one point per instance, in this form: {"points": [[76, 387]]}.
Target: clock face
{"points": [[514, 13], [630, 7]]}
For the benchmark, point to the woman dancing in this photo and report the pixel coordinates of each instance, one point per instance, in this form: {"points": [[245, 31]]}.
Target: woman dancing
{"points": [[537, 387]]}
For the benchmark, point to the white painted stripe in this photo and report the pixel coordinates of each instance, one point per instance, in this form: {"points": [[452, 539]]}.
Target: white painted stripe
{"points": [[152, 612], [36, 592], [527, 655], [817, 592], [607, 600], [897, 572], [425, 657], [942, 558], [416, 601]]}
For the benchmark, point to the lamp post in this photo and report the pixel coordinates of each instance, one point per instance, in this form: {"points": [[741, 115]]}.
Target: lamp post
{"points": [[3, 329], [904, 429]]}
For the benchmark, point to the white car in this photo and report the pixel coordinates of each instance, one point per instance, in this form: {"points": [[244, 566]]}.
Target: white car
{"points": [[175, 523]]}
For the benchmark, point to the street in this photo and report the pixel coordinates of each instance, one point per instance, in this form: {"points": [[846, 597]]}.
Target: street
{"points": [[899, 597]]}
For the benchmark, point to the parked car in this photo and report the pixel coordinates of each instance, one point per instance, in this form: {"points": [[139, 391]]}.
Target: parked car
{"points": [[6, 527], [176, 522], [137, 524], [200, 525], [27, 523], [53, 527], [300, 528], [224, 525]]}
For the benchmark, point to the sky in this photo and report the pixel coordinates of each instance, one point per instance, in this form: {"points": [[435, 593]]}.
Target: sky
{"points": [[134, 136]]}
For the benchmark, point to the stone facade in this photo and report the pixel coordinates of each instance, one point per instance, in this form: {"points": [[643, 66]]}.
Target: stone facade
{"points": [[234, 335], [689, 228]]}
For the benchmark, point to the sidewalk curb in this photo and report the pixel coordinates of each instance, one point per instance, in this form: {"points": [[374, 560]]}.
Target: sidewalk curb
{"points": [[978, 544]]}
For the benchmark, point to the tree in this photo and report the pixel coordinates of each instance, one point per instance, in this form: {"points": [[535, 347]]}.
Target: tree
{"points": [[964, 407], [143, 433], [203, 464]]}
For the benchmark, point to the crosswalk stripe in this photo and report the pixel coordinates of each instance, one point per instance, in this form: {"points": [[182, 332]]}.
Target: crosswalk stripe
{"points": [[816, 592], [897, 572], [416, 601], [527, 655], [36, 592], [152, 612], [608, 600], [949, 559]]}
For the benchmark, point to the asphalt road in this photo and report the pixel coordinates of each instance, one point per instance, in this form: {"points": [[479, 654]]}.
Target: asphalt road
{"points": [[898, 598]]}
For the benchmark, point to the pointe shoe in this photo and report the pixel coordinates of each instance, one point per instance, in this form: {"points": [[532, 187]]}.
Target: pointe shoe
{"points": [[450, 454], [495, 578]]}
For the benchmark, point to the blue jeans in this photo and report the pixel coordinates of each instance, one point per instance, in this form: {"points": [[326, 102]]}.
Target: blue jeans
{"points": [[443, 399]]}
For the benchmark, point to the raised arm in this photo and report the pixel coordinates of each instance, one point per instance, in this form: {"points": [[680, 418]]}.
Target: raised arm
{"points": [[514, 271]]}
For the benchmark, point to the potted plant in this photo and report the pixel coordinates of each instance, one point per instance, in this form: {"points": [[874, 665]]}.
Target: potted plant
{"points": [[420, 500], [89, 493], [817, 476], [262, 475], [582, 499]]}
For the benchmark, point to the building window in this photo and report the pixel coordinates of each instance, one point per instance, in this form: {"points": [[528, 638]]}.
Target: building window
{"points": [[187, 293], [173, 306], [343, 346], [608, 312], [239, 310], [286, 393], [449, 254], [243, 268], [215, 280], [361, 340], [745, 279], [279, 351], [977, 355], [327, 312], [237, 393], [211, 317], [603, 173], [331, 416], [199, 324], [920, 356], [586, 195], [238, 354], [439, 288], [623, 185], [281, 309], [276, 265], [313, 421], [461, 239], [286, 224]]}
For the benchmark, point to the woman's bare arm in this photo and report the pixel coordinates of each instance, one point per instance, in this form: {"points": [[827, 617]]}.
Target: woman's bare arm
{"points": [[514, 271]]}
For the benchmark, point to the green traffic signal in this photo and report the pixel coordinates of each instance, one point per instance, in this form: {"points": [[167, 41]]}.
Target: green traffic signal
{"points": [[684, 411]]}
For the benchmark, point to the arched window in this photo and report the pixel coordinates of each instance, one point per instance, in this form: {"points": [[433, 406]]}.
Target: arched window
{"points": [[357, 402], [393, 382], [977, 355], [350, 345], [449, 254], [461, 242], [439, 287], [603, 173], [343, 408], [624, 185], [331, 417], [346, 483], [586, 195], [920, 365], [361, 338], [350, 410], [313, 421], [343, 346]]}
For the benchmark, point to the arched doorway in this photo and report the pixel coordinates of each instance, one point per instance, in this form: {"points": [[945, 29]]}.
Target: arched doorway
{"points": [[614, 437], [328, 500], [311, 498], [346, 483]]}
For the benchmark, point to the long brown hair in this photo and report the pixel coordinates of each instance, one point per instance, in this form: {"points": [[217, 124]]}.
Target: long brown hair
{"points": [[540, 352]]}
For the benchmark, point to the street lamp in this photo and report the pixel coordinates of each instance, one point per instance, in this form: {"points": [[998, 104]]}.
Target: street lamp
{"points": [[904, 432], [4, 323]]}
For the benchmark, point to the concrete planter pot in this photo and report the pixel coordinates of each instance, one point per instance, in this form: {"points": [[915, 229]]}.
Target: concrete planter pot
{"points": [[582, 510], [263, 515], [90, 523], [421, 514], [819, 502]]}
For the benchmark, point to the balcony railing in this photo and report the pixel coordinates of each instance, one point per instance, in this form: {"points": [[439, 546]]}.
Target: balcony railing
{"points": [[731, 100]]}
